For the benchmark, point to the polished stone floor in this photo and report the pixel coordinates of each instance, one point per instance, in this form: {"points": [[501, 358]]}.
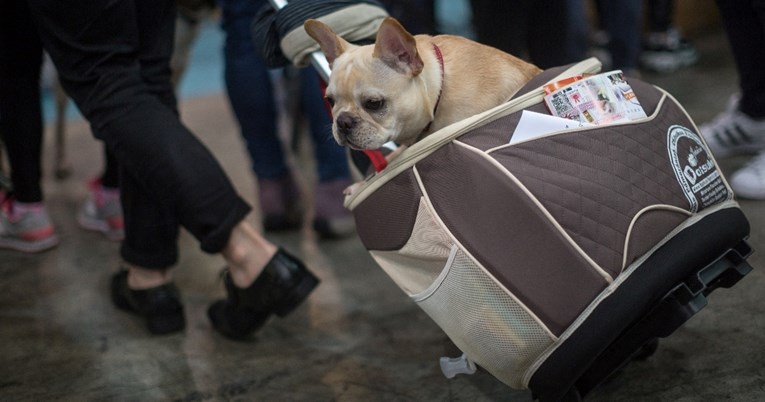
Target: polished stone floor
{"points": [[357, 338]]}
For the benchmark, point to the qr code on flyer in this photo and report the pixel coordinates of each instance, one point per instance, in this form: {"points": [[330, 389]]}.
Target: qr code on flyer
{"points": [[561, 106]]}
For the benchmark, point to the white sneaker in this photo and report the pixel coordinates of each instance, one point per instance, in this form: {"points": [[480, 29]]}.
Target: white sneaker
{"points": [[749, 181], [666, 52], [734, 133]]}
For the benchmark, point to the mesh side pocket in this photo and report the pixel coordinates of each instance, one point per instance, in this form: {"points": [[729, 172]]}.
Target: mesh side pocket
{"points": [[488, 325], [420, 261]]}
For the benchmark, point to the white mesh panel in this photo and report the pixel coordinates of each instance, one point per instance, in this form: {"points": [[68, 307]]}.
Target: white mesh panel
{"points": [[416, 266], [429, 240], [488, 325]]}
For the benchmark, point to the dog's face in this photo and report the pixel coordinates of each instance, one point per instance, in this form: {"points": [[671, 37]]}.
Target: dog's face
{"points": [[377, 92]]}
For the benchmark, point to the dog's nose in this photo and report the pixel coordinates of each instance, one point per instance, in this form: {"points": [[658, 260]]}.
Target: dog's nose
{"points": [[345, 123]]}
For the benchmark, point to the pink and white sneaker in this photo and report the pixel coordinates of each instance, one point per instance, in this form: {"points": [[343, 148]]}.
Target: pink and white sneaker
{"points": [[25, 226], [102, 212]]}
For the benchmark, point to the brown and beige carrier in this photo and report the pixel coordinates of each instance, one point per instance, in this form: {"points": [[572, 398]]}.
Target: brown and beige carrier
{"points": [[551, 262]]}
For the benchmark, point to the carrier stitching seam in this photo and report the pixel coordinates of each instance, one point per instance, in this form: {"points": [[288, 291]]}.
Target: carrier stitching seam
{"points": [[480, 266], [621, 278], [541, 207], [583, 237], [430, 290], [660, 207]]}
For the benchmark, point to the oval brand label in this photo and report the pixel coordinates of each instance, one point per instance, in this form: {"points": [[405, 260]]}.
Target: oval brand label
{"points": [[695, 169]]}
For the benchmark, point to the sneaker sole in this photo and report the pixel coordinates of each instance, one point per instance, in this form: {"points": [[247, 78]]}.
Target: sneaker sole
{"points": [[746, 190], [100, 226], [665, 63], [27, 246]]}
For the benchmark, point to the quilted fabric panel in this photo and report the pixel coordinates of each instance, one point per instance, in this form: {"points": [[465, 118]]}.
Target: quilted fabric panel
{"points": [[498, 132], [594, 182], [495, 221]]}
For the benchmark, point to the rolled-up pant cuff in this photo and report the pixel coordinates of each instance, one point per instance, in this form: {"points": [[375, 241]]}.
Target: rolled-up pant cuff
{"points": [[216, 239]]}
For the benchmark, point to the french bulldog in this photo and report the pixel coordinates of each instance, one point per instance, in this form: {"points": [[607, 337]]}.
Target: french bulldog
{"points": [[404, 87]]}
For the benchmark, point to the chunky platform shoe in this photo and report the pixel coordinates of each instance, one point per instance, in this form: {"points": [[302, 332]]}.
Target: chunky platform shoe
{"points": [[281, 287], [160, 306]]}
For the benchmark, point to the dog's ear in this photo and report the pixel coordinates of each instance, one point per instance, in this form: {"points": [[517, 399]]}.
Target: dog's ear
{"points": [[397, 48], [331, 44]]}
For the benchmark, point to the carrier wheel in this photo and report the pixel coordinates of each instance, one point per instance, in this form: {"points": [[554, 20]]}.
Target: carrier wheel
{"points": [[646, 350]]}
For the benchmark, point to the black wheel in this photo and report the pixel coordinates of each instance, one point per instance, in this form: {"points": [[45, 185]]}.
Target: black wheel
{"points": [[647, 350]]}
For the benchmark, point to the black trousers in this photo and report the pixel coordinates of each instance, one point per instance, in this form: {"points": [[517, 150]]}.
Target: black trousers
{"points": [[744, 21], [113, 60], [20, 110], [548, 33], [21, 117]]}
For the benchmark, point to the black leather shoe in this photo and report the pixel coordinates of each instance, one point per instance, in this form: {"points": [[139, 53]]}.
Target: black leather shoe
{"points": [[280, 288], [160, 306]]}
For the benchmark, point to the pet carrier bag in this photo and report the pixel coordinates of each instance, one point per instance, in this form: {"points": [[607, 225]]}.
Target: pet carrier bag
{"points": [[551, 261]]}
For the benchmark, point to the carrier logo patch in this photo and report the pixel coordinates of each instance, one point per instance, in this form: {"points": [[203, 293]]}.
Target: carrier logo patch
{"points": [[695, 169]]}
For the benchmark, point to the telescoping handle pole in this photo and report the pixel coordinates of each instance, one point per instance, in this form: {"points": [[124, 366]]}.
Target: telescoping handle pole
{"points": [[318, 60]]}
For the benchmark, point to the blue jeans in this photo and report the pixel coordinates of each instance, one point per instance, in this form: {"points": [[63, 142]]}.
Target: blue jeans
{"points": [[622, 20], [252, 99]]}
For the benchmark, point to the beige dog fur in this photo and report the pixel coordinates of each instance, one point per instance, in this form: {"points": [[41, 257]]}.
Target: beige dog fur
{"points": [[401, 89]]}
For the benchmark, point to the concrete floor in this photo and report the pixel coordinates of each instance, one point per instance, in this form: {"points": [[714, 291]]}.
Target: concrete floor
{"points": [[358, 337]]}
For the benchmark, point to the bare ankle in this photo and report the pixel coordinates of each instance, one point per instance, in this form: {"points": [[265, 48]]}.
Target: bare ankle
{"points": [[145, 278], [247, 253]]}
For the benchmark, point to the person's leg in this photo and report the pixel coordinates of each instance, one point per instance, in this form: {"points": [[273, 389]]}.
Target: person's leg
{"points": [[96, 50], [249, 90], [331, 160], [21, 126], [110, 177], [557, 32], [331, 218], [623, 22], [741, 128], [664, 49], [24, 221], [503, 24], [96, 53], [744, 23], [659, 15], [251, 95]]}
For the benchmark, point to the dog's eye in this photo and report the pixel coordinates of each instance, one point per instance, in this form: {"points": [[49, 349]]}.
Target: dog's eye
{"points": [[330, 100], [374, 104]]}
